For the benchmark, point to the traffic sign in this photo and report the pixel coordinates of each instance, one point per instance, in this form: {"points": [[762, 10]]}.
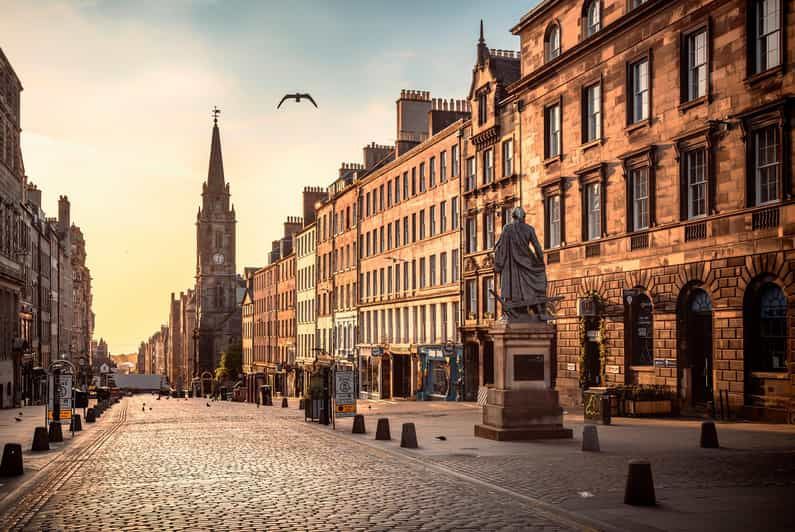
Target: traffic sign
{"points": [[344, 397], [64, 397]]}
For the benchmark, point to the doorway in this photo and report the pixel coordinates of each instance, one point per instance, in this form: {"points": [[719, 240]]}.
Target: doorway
{"points": [[386, 377], [696, 316], [471, 372], [592, 366], [401, 376], [488, 362]]}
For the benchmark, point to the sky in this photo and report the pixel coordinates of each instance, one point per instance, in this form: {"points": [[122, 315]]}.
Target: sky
{"points": [[116, 115]]}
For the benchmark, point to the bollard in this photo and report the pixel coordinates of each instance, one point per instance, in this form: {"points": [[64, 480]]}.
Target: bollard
{"points": [[590, 439], [268, 400], [323, 417], [56, 433], [640, 485], [382, 429], [91, 416], [408, 436], [284, 402], [709, 435], [41, 440], [301, 404], [358, 424], [11, 465], [75, 425]]}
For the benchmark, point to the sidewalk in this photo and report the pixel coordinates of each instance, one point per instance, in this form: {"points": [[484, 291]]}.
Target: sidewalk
{"points": [[747, 484]]}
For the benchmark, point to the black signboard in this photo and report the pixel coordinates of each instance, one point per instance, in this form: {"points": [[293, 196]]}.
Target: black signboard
{"points": [[528, 367]]}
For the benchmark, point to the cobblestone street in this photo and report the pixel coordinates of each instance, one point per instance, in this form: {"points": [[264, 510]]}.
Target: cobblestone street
{"points": [[183, 465]]}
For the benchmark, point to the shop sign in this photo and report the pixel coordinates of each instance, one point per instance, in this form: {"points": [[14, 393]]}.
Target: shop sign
{"points": [[344, 398], [434, 354], [377, 351], [611, 368], [571, 366], [665, 362]]}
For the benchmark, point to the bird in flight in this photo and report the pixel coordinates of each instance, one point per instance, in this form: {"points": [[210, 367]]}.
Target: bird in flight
{"points": [[298, 96]]}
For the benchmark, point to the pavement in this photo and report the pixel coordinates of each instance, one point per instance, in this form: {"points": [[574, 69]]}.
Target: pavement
{"points": [[185, 465]]}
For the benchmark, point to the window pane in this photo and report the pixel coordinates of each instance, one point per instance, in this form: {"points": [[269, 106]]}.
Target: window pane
{"points": [[553, 221], [696, 183], [640, 191], [767, 165], [594, 206], [593, 18]]}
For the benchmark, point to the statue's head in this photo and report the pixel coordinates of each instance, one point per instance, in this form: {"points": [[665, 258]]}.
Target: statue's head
{"points": [[518, 214]]}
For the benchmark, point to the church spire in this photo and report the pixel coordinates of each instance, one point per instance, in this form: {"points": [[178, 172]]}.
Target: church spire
{"points": [[215, 174], [483, 50]]}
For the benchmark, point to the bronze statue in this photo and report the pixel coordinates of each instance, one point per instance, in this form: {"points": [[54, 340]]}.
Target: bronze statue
{"points": [[523, 276]]}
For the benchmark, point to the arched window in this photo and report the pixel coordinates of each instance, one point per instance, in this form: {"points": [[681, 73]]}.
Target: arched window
{"points": [[552, 42], [592, 18], [772, 314]]}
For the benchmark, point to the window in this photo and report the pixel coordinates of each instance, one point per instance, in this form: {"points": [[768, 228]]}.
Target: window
{"points": [[388, 194], [593, 211], [454, 213], [413, 227], [422, 224], [489, 307], [696, 179], [406, 275], [381, 239], [639, 185], [443, 167], [443, 217], [636, 3], [422, 177], [422, 272], [472, 299], [432, 220], [482, 110], [472, 236], [694, 60], [592, 113], [765, 19], [488, 228], [553, 232], [552, 145], [507, 158], [397, 233], [432, 270], [405, 230], [771, 312], [766, 164], [388, 236], [488, 166], [405, 185], [471, 173], [552, 42], [397, 189], [432, 172], [454, 161], [592, 18], [454, 266], [443, 267], [389, 279], [443, 321], [381, 198], [638, 108], [397, 278], [414, 181], [413, 274]]}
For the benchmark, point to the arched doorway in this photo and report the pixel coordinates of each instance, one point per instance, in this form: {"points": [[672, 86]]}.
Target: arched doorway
{"points": [[765, 325], [695, 346]]}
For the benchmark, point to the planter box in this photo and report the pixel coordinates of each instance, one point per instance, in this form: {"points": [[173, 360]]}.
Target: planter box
{"points": [[646, 408]]}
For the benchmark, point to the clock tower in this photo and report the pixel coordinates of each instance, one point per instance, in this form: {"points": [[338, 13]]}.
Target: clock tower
{"points": [[217, 312]]}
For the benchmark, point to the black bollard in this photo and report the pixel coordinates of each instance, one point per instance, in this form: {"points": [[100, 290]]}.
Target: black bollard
{"points": [[408, 436], [323, 417], [11, 465], [301, 404], [75, 425], [285, 404], [382, 429], [640, 485], [91, 416], [709, 435], [590, 439], [56, 433], [268, 400], [358, 424], [41, 440]]}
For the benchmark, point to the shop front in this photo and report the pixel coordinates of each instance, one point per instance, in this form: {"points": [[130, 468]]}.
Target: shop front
{"points": [[440, 375]]}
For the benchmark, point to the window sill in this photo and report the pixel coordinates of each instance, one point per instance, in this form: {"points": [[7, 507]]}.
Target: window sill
{"points": [[761, 76], [551, 160], [632, 128], [686, 106], [591, 144]]}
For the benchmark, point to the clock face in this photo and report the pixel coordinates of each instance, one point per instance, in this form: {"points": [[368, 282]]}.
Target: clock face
{"points": [[218, 258]]}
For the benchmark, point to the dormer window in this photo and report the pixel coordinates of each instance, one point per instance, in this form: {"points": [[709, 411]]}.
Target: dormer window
{"points": [[592, 18], [552, 42]]}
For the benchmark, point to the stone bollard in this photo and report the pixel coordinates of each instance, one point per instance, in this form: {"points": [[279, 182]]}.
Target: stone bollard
{"points": [[41, 440], [590, 439], [358, 424], [285, 404], [709, 435], [382, 429], [301, 404], [11, 465], [56, 433], [91, 416], [75, 425], [408, 436], [640, 485]]}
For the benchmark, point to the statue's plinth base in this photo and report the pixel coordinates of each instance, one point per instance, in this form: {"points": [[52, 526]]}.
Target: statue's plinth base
{"points": [[522, 415], [522, 405]]}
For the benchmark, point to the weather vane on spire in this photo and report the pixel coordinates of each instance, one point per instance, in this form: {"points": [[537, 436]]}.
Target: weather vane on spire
{"points": [[216, 111]]}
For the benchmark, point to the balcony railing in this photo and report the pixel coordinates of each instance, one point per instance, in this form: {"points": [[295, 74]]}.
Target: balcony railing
{"points": [[695, 231], [640, 241], [766, 219]]}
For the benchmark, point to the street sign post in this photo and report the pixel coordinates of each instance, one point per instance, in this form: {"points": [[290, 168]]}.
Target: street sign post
{"points": [[62, 389], [344, 396]]}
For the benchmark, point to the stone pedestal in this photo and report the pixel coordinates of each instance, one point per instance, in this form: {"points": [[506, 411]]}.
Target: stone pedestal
{"points": [[522, 404]]}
